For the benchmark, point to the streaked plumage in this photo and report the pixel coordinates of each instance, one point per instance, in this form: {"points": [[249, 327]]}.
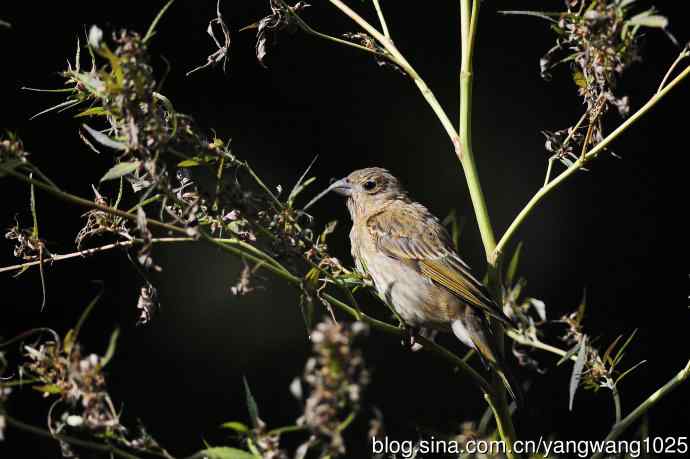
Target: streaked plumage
{"points": [[411, 260]]}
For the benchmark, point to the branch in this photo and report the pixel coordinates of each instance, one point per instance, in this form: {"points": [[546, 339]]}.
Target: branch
{"points": [[382, 19], [132, 242], [469, 15], [301, 23], [653, 399], [468, 30], [522, 339], [593, 153], [397, 58], [244, 250], [67, 439], [86, 203]]}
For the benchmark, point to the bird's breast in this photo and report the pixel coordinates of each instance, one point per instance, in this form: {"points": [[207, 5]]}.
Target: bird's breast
{"points": [[417, 300]]}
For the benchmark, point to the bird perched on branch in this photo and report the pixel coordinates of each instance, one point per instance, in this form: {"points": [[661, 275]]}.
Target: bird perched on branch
{"points": [[413, 264]]}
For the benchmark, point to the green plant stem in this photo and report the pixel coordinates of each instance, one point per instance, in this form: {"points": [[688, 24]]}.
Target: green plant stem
{"points": [[310, 30], [466, 157], [616, 403], [521, 339], [382, 19], [496, 397], [130, 243], [86, 203], [375, 323], [593, 153], [685, 53], [468, 29], [398, 59], [68, 439], [241, 249], [652, 400], [504, 422]]}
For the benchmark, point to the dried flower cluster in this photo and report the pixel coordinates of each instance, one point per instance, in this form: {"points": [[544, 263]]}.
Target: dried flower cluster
{"points": [[282, 17], [58, 368], [335, 378], [593, 370], [600, 40], [529, 314], [28, 246], [166, 160], [78, 381]]}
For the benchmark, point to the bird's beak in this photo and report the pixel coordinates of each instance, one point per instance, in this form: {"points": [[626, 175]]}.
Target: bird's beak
{"points": [[342, 187]]}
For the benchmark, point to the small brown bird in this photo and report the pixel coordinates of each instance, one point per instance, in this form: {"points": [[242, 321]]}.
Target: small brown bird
{"points": [[411, 260]]}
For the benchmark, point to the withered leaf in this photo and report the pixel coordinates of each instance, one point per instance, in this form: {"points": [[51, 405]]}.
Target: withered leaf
{"points": [[281, 17]]}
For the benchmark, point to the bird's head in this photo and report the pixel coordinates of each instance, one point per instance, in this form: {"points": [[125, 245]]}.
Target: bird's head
{"points": [[366, 188]]}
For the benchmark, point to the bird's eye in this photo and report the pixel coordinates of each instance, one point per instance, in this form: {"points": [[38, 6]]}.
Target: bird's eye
{"points": [[369, 185]]}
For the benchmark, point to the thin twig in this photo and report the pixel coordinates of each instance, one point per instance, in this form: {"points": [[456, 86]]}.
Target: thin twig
{"points": [[545, 190], [398, 59], [685, 53], [68, 439], [240, 249], [310, 30], [86, 203], [382, 19], [522, 339], [549, 167]]}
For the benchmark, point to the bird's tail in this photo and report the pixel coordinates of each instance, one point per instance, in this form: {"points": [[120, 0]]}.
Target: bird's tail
{"points": [[512, 386], [474, 332]]}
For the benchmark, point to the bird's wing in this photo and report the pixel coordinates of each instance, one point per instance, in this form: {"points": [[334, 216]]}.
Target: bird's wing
{"points": [[410, 233]]}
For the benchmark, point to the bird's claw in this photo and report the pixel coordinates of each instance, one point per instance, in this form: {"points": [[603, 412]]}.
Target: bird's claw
{"points": [[410, 339]]}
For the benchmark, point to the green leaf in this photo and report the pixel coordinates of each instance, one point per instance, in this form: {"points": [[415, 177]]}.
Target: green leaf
{"points": [[103, 139], [225, 452], [112, 345], [607, 355], [647, 19], [549, 16], [93, 111], [188, 163], [69, 103], [48, 389], [121, 169], [301, 183], [628, 371], [251, 404], [512, 266], [571, 352], [579, 79], [577, 370], [10, 165], [152, 28], [619, 354], [236, 426], [170, 109], [73, 334]]}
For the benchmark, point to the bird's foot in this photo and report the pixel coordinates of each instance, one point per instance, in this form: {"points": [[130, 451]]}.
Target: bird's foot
{"points": [[409, 337], [424, 333]]}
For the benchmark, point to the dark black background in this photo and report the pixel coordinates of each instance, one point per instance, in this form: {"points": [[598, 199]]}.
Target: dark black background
{"points": [[617, 230]]}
